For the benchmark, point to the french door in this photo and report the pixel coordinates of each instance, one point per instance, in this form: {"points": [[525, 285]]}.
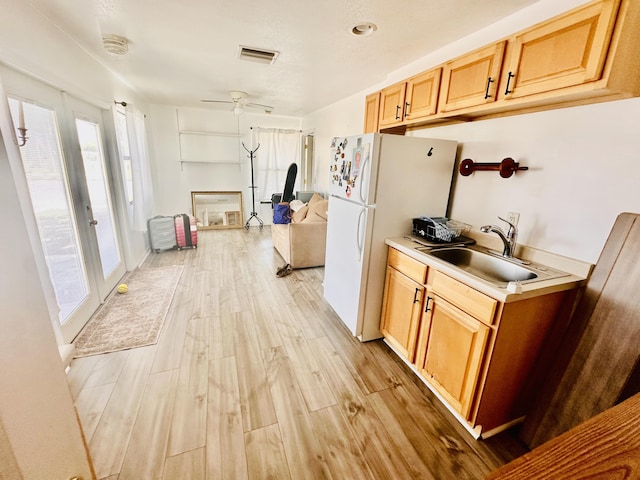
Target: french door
{"points": [[66, 171]]}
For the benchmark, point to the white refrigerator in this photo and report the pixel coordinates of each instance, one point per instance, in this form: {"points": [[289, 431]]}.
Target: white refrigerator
{"points": [[378, 184]]}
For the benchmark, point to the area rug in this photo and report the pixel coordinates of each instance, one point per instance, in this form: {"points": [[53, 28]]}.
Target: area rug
{"points": [[132, 319]]}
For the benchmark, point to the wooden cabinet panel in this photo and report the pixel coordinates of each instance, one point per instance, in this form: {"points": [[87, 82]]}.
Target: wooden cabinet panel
{"points": [[422, 94], [371, 112], [472, 79], [407, 265], [401, 309], [392, 105], [454, 353], [568, 50], [475, 303]]}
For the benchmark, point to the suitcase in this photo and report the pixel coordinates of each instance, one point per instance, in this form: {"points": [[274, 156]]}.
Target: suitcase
{"points": [[186, 231], [162, 233]]}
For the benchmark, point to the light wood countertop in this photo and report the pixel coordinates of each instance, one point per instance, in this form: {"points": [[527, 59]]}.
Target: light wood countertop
{"points": [[577, 271]]}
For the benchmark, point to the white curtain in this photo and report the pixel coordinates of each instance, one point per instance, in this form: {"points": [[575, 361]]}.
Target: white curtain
{"points": [[278, 149], [141, 170]]}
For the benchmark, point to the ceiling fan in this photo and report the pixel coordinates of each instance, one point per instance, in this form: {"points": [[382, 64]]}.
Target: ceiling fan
{"points": [[239, 100]]}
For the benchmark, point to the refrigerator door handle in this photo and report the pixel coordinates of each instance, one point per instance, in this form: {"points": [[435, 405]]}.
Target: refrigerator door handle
{"points": [[362, 183], [360, 234]]}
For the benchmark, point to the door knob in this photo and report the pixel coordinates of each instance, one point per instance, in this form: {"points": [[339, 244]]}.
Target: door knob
{"points": [[93, 223]]}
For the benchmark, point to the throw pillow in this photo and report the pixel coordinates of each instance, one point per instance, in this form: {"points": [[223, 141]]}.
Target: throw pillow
{"points": [[313, 218], [319, 208], [300, 214], [315, 198]]}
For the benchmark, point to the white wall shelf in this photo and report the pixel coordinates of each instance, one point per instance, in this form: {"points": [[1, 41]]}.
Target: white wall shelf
{"points": [[209, 147]]}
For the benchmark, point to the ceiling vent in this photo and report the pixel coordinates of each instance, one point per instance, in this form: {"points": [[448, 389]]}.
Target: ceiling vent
{"points": [[115, 44], [257, 54]]}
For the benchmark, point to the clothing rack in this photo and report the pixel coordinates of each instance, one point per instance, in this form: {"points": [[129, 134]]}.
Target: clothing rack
{"points": [[253, 187]]}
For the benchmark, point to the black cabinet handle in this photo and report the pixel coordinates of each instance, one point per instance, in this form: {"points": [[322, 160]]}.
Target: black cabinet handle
{"points": [[427, 305], [415, 296], [507, 91], [397, 109], [406, 109], [486, 92]]}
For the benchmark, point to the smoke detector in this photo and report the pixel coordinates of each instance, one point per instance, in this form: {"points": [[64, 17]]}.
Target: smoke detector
{"points": [[115, 44]]}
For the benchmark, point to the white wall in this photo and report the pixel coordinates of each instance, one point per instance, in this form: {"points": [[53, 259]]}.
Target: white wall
{"points": [[583, 161], [174, 180], [341, 119], [36, 409], [583, 172]]}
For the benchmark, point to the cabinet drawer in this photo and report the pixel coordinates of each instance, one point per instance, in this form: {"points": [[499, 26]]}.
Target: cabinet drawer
{"points": [[411, 268], [466, 298]]}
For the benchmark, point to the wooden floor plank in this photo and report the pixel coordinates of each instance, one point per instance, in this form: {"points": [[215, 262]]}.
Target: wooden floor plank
{"points": [[189, 420], [81, 369], [225, 451], [340, 449], [313, 386], [371, 377], [109, 443], [383, 458], [255, 397], [302, 448], [107, 369], [265, 454], [267, 383], [188, 465], [90, 404], [148, 445], [171, 341]]}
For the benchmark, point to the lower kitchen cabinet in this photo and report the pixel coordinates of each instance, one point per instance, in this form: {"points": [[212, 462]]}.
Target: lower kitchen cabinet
{"points": [[401, 311], [476, 352], [402, 303], [456, 344]]}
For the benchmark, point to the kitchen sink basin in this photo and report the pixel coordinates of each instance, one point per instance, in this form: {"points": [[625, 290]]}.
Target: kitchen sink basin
{"points": [[494, 269]]}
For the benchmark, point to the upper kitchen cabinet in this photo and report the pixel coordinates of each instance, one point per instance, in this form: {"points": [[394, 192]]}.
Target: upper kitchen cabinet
{"points": [[587, 55], [565, 51], [371, 112], [392, 105], [422, 95], [472, 79]]}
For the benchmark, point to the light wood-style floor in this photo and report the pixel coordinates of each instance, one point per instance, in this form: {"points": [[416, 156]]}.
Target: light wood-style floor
{"points": [[255, 377]]}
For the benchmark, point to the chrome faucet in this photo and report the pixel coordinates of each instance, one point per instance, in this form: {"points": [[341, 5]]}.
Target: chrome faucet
{"points": [[508, 239]]}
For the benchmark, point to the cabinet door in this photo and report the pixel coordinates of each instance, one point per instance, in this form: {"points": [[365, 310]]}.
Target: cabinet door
{"points": [[401, 308], [371, 112], [454, 354], [392, 105], [422, 94], [566, 51], [472, 79]]}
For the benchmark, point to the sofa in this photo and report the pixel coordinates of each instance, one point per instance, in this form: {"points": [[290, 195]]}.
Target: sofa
{"points": [[302, 242]]}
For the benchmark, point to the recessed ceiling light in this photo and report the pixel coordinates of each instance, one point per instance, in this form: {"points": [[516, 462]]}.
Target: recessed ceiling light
{"points": [[364, 28]]}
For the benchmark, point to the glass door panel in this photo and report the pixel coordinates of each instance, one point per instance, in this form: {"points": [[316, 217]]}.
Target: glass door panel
{"points": [[101, 205], [67, 174], [50, 194]]}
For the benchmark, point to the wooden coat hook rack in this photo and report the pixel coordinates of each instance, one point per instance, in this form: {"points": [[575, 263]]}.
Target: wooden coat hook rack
{"points": [[506, 167]]}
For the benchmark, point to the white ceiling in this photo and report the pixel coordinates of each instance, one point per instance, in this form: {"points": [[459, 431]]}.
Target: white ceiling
{"points": [[183, 51]]}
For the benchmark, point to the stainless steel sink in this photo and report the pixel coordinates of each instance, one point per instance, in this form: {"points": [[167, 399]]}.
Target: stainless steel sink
{"points": [[497, 270]]}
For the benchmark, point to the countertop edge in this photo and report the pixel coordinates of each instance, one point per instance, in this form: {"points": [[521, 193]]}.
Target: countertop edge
{"points": [[529, 290]]}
